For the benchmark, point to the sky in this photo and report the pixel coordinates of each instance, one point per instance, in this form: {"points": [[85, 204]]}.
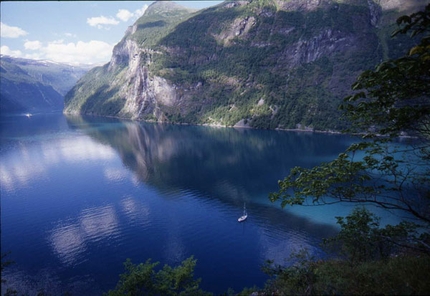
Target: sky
{"points": [[73, 32]]}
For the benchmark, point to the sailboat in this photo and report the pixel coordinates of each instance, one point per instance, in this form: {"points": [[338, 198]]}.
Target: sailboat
{"points": [[244, 216]]}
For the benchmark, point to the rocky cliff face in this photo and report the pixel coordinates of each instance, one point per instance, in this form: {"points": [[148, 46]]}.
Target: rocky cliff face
{"points": [[143, 92], [133, 91], [260, 63]]}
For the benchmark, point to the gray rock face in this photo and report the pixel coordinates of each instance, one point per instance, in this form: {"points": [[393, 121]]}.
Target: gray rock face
{"points": [[215, 66], [143, 94]]}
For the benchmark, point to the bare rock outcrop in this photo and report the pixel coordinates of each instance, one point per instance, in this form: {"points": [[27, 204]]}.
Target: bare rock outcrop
{"points": [[143, 93]]}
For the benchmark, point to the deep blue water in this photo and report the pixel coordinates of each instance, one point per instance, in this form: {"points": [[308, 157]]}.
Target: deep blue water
{"points": [[80, 195]]}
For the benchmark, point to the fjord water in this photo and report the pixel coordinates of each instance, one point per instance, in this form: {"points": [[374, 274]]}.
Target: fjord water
{"points": [[80, 195]]}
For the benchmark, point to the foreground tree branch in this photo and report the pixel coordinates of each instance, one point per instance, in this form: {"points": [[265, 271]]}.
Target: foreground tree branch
{"points": [[391, 101]]}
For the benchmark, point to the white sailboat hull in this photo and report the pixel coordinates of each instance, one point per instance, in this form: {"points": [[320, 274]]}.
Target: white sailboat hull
{"points": [[242, 218]]}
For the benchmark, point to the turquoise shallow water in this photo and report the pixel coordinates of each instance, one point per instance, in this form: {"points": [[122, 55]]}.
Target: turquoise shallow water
{"points": [[80, 195]]}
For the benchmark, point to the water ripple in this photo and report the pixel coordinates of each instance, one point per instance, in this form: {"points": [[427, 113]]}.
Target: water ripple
{"points": [[99, 223], [69, 239], [68, 243]]}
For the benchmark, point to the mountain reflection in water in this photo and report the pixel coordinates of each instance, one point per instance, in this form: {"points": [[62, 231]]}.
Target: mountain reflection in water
{"points": [[212, 161], [82, 194]]}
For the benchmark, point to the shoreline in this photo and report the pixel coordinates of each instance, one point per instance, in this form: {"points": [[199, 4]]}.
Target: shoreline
{"points": [[332, 132], [209, 124]]}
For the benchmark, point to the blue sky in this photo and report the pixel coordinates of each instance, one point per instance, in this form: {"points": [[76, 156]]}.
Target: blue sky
{"points": [[74, 32]]}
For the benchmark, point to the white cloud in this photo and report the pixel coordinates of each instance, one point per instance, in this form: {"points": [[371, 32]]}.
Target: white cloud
{"points": [[7, 51], [33, 45], [101, 21], [125, 15], [11, 32], [139, 12], [59, 41], [33, 56], [70, 35], [92, 52]]}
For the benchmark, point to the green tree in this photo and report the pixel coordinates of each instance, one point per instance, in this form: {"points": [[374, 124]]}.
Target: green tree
{"points": [[361, 239], [366, 266], [297, 279], [390, 101], [394, 98], [142, 279]]}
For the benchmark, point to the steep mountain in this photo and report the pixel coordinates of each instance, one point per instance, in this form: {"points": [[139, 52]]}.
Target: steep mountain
{"points": [[259, 63], [35, 86]]}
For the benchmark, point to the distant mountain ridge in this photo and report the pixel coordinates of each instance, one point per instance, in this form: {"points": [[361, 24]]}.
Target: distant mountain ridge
{"points": [[35, 86], [275, 64]]}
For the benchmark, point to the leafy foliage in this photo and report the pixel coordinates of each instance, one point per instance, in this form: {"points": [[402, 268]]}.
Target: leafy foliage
{"points": [[402, 275], [374, 265], [394, 100], [361, 239], [374, 260], [142, 279], [395, 96]]}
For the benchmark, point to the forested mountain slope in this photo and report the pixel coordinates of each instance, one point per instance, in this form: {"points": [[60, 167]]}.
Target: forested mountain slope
{"points": [[35, 86], [260, 63]]}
